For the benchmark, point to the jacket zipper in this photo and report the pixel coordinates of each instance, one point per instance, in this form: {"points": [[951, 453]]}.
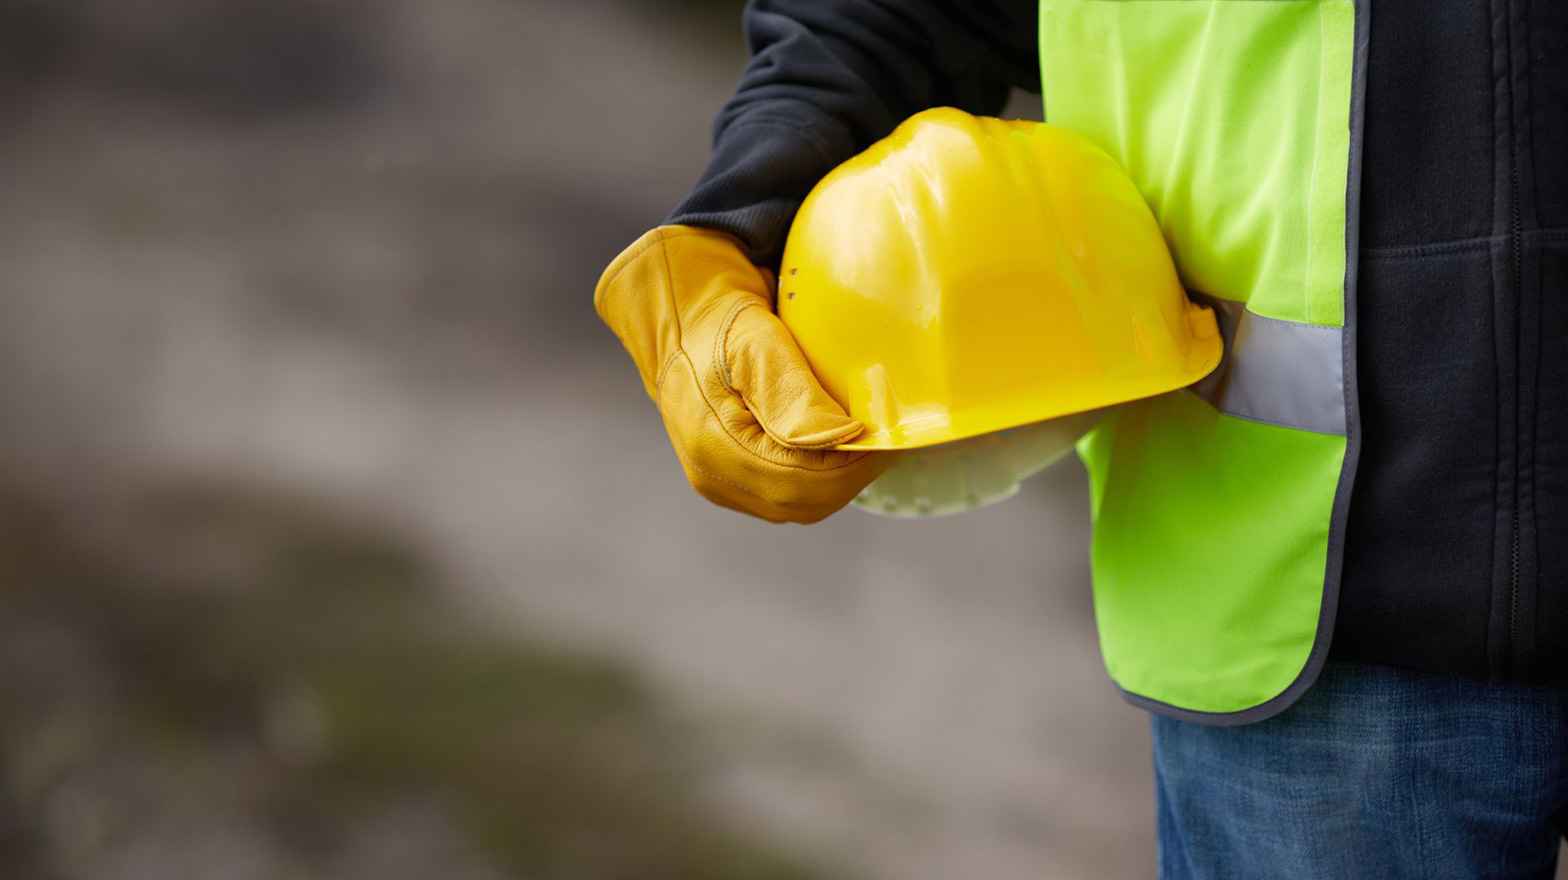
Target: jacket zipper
{"points": [[1518, 293], [1518, 300]]}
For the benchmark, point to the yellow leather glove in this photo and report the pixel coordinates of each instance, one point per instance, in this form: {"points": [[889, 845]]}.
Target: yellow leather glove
{"points": [[753, 428]]}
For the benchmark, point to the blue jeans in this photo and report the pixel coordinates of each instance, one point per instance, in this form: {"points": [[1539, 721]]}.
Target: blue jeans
{"points": [[1377, 773]]}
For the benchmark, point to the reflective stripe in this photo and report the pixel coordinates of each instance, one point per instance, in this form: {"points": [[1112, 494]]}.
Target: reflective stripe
{"points": [[1277, 372]]}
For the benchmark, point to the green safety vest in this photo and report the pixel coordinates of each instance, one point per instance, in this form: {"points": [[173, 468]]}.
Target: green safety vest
{"points": [[1219, 512]]}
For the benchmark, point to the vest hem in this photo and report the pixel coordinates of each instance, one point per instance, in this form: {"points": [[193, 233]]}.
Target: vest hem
{"points": [[1317, 657]]}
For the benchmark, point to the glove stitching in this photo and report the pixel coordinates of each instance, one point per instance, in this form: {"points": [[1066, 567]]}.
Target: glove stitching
{"points": [[747, 449], [787, 508], [790, 444], [665, 370], [675, 310], [734, 484], [722, 366], [741, 445], [824, 444], [721, 350]]}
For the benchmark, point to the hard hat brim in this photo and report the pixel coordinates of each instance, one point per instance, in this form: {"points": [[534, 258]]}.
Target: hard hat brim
{"points": [[1048, 403]]}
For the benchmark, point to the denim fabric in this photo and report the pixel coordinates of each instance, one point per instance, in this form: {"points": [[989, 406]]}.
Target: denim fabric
{"points": [[1377, 773]]}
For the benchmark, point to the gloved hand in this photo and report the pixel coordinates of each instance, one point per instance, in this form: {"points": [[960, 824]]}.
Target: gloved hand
{"points": [[753, 428]]}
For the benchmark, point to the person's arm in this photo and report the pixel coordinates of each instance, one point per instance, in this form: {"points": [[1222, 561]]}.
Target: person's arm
{"points": [[692, 300], [829, 77]]}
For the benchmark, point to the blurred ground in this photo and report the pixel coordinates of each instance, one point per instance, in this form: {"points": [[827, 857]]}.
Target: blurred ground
{"points": [[342, 254], [221, 684]]}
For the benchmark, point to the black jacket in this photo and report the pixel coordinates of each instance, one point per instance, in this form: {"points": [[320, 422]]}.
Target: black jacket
{"points": [[1456, 555]]}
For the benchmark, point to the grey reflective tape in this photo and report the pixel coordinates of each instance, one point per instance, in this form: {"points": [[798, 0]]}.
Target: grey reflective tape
{"points": [[1277, 372]]}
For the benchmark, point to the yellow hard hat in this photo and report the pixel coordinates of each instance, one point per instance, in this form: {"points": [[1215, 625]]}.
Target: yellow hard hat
{"points": [[965, 275]]}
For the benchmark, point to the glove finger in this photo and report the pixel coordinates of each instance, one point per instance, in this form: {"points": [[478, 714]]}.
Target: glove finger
{"points": [[760, 361], [720, 456]]}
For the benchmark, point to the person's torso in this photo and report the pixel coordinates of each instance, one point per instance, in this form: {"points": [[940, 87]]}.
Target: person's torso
{"points": [[1373, 194], [1457, 551]]}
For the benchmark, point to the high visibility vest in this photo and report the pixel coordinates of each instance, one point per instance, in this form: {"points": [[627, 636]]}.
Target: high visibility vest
{"points": [[1219, 512]]}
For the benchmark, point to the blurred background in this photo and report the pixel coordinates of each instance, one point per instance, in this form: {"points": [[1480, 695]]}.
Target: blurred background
{"points": [[339, 540]]}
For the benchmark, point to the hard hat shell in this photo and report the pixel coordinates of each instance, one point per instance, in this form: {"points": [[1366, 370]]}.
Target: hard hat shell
{"points": [[966, 274]]}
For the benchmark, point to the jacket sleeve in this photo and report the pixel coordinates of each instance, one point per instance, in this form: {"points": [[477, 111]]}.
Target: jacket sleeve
{"points": [[829, 77]]}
